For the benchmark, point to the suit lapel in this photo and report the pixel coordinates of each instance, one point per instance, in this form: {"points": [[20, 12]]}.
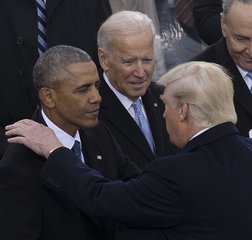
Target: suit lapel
{"points": [[118, 116], [151, 106], [51, 5], [91, 150]]}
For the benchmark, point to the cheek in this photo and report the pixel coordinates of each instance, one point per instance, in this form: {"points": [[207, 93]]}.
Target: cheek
{"points": [[235, 47]]}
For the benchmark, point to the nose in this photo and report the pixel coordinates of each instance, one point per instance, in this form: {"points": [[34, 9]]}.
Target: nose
{"points": [[250, 49], [139, 70], [95, 97]]}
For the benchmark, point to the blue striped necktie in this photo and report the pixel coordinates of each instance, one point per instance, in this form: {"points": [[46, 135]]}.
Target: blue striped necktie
{"points": [[41, 14], [143, 123], [77, 150], [249, 74]]}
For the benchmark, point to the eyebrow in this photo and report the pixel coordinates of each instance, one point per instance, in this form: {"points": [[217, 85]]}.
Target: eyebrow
{"points": [[87, 85]]}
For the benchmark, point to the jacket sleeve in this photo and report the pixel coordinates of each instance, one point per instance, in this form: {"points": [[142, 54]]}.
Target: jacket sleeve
{"points": [[149, 200]]}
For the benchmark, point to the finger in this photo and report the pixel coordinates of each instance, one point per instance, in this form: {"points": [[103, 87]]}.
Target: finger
{"points": [[28, 122], [14, 132], [21, 123], [19, 140]]}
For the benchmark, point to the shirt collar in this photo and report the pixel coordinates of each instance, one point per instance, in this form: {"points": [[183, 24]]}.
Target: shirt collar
{"points": [[66, 139], [126, 102]]}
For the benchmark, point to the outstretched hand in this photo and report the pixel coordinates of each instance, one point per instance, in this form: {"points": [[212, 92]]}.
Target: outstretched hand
{"points": [[33, 135]]}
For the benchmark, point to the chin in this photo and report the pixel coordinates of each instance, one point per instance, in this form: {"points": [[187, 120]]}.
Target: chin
{"points": [[90, 124]]}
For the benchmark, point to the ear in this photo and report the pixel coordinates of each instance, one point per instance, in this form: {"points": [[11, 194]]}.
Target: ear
{"points": [[103, 59], [183, 112], [46, 96], [223, 25]]}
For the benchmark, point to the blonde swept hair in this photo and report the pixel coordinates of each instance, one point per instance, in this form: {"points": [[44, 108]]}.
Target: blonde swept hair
{"points": [[206, 88]]}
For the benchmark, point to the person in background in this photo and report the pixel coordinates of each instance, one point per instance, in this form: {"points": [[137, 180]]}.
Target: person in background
{"points": [[202, 192], [126, 55], [64, 22], [234, 52], [67, 82], [206, 15]]}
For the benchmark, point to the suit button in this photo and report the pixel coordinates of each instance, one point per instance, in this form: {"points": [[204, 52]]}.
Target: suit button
{"points": [[20, 41], [21, 73]]}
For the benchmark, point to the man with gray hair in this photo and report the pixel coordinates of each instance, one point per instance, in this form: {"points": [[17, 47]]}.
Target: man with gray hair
{"points": [[67, 82], [126, 55], [203, 192], [234, 52]]}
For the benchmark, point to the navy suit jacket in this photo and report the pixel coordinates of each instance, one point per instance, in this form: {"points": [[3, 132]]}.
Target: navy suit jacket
{"points": [[204, 192], [124, 128], [218, 53], [69, 23], [28, 211]]}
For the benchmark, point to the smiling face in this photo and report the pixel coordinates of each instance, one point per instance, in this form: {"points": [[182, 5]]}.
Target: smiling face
{"points": [[129, 65], [76, 100], [237, 29]]}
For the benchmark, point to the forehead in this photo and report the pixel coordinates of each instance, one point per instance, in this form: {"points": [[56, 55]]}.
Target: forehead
{"points": [[240, 16], [133, 43], [85, 70]]}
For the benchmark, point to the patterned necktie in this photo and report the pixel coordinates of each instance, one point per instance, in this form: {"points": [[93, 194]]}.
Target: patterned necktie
{"points": [[183, 11], [249, 74], [76, 149], [41, 14], [143, 123]]}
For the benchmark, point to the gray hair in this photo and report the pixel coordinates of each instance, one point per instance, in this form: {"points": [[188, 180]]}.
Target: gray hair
{"points": [[226, 5], [51, 67], [123, 22], [206, 88]]}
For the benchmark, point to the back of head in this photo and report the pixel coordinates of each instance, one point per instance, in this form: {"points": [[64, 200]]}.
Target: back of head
{"points": [[51, 67], [206, 88], [123, 23]]}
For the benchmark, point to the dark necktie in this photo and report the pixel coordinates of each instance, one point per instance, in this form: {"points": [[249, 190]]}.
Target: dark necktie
{"points": [[143, 123], [77, 150], [249, 74], [41, 14]]}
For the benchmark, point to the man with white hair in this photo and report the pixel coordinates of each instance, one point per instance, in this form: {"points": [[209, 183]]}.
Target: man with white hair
{"points": [[234, 52], [126, 55]]}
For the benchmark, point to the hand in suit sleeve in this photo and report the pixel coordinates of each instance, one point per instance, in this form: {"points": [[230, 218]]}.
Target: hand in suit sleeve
{"points": [[150, 200]]}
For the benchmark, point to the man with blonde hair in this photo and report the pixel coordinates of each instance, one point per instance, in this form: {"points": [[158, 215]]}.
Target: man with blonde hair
{"points": [[203, 192]]}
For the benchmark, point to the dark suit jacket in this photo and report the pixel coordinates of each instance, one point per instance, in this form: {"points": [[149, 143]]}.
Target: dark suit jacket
{"points": [[125, 129], [67, 23], [206, 15], [218, 53], [202, 193], [28, 211]]}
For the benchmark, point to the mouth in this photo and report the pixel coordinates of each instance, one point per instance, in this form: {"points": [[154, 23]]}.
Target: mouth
{"points": [[137, 83], [93, 113], [248, 59]]}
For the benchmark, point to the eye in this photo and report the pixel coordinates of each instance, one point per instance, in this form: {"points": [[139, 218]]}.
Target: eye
{"points": [[147, 60], [239, 39], [97, 85], [128, 62]]}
